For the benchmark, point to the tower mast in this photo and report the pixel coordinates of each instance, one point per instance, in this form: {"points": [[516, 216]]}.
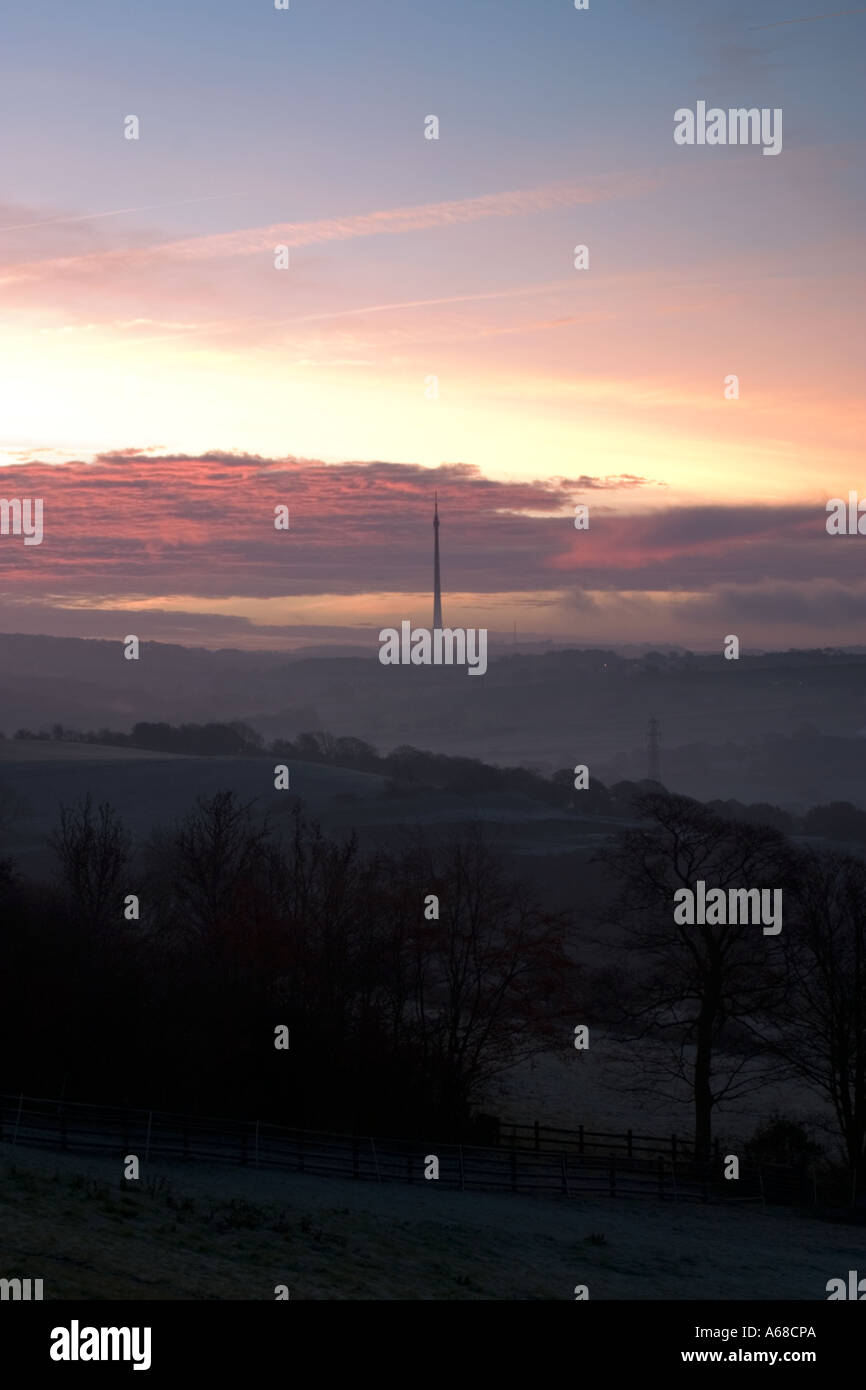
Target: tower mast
{"points": [[437, 587]]}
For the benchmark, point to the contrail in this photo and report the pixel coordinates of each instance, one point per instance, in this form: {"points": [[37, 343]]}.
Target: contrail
{"points": [[116, 212], [385, 222], [451, 299], [809, 19]]}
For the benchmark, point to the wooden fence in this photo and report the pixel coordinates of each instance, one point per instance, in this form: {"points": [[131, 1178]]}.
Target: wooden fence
{"points": [[587, 1141], [531, 1160]]}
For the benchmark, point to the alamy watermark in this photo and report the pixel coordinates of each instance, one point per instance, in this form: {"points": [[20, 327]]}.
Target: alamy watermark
{"points": [[736, 126], [22, 516], [854, 1289], [846, 520], [76, 1343], [439, 646], [21, 1290], [737, 906]]}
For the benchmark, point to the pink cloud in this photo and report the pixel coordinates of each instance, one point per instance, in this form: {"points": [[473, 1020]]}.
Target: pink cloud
{"points": [[136, 527]]}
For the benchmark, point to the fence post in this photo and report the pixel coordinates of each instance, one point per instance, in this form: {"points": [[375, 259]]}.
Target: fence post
{"points": [[147, 1140], [613, 1175], [565, 1173]]}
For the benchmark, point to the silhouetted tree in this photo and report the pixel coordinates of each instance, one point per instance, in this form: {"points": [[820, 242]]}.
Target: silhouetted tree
{"points": [[218, 850], [693, 983], [489, 984], [94, 849], [820, 1030]]}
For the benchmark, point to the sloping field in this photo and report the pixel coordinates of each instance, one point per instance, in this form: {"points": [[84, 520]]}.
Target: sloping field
{"points": [[157, 789], [208, 1233], [24, 750], [150, 790]]}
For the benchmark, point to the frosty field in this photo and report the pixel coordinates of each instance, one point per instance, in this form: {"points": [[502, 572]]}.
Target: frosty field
{"points": [[203, 1232]]}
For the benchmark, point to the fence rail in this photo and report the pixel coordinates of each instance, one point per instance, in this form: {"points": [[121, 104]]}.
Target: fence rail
{"points": [[579, 1163], [585, 1141]]}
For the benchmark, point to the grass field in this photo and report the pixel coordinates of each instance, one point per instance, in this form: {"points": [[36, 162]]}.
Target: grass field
{"points": [[204, 1232]]}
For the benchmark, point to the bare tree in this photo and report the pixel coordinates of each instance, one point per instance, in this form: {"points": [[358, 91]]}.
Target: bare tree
{"points": [[93, 847], [694, 987], [821, 1029], [219, 852], [489, 982]]}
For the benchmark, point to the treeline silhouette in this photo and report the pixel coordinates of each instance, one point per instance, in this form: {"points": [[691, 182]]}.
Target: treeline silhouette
{"points": [[409, 978], [412, 769], [229, 738], [397, 1015]]}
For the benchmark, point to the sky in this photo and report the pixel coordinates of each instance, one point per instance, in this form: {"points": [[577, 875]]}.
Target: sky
{"points": [[163, 385]]}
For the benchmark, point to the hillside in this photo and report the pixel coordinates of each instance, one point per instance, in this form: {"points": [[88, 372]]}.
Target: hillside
{"points": [[203, 1233]]}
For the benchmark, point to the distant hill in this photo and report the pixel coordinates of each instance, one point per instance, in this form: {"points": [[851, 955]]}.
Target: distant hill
{"points": [[548, 710]]}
